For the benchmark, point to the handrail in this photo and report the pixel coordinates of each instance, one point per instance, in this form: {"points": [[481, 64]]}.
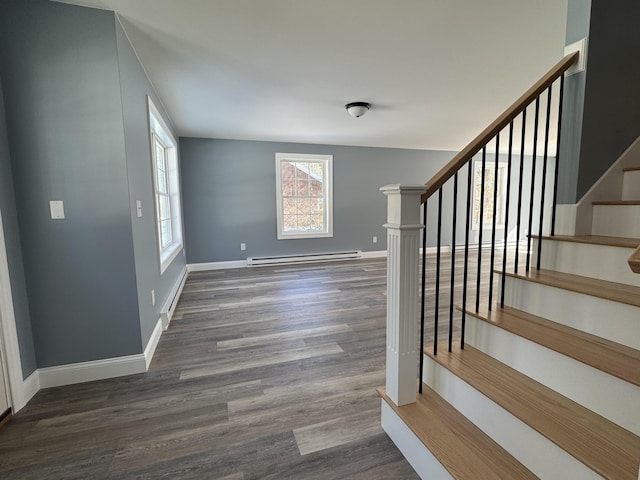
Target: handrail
{"points": [[446, 172]]}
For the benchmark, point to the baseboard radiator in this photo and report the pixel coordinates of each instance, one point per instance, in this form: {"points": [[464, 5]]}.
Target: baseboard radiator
{"points": [[304, 258], [170, 305]]}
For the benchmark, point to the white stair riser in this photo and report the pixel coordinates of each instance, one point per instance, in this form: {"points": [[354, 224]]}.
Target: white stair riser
{"points": [[420, 457], [631, 185], [517, 438], [578, 259], [569, 377], [616, 220], [614, 321]]}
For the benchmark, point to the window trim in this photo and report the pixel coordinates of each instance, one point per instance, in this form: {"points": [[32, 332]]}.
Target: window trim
{"points": [[327, 188], [159, 130]]}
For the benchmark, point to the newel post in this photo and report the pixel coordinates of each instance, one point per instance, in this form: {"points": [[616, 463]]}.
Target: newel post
{"points": [[403, 241]]}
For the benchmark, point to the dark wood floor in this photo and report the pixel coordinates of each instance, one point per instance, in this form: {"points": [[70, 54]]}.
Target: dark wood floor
{"points": [[264, 373]]}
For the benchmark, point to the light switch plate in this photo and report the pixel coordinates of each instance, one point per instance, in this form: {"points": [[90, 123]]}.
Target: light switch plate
{"points": [[57, 209], [139, 208]]}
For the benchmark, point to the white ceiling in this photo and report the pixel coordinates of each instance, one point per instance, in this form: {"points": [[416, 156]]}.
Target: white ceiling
{"points": [[435, 71]]}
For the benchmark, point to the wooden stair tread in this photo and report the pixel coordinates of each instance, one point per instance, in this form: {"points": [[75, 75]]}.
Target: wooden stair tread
{"points": [[596, 240], [617, 292], [634, 261], [618, 360], [631, 169], [617, 202], [603, 446], [464, 450]]}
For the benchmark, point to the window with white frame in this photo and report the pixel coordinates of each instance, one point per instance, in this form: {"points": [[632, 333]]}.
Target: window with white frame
{"points": [[304, 195], [491, 182], [166, 188]]}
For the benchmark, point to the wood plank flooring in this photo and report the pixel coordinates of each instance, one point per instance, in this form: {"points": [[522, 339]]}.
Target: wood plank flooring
{"points": [[264, 373]]}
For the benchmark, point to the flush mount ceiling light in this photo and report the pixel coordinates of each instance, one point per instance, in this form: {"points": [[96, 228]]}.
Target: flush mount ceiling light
{"points": [[357, 109]]}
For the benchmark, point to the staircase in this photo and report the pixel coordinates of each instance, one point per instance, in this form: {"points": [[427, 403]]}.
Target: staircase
{"points": [[546, 382], [549, 385]]}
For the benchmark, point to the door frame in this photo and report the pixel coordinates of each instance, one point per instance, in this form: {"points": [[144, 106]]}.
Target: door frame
{"points": [[8, 332]]}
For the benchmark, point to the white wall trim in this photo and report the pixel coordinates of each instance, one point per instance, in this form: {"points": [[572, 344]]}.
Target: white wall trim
{"points": [[150, 349], [30, 386], [419, 457], [566, 219], [9, 333], [172, 300], [90, 371]]}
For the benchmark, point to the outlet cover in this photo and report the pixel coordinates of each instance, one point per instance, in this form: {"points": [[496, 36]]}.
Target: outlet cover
{"points": [[243, 246], [57, 209]]}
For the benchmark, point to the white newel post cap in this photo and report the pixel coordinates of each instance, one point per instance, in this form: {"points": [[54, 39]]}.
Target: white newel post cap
{"points": [[402, 207], [403, 241]]}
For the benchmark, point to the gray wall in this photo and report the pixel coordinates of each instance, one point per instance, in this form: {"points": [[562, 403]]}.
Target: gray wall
{"points": [[602, 104], [14, 252], [578, 17], [64, 117], [229, 196], [135, 87], [77, 127], [611, 120]]}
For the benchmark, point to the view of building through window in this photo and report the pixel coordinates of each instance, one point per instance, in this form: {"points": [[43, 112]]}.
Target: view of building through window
{"points": [[304, 195], [490, 184]]}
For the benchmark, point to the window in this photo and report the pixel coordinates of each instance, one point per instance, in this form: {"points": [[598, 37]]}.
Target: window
{"points": [[490, 183], [166, 188], [305, 195]]}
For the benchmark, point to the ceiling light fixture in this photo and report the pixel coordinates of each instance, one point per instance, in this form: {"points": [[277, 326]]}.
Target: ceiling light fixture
{"points": [[357, 109]]}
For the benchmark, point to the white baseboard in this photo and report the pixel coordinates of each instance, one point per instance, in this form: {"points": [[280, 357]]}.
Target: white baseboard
{"points": [[150, 349], [30, 387], [90, 371], [203, 267]]}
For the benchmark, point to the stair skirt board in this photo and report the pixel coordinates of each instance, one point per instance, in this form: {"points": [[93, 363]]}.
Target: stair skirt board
{"points": [[304, 258], [577, 259], [616, 220], [418, 456], [631, 185], [571, 378], [540, 455], [614, 321]]}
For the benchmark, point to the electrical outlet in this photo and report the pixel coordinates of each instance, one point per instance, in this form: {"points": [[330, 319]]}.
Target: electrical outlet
{"points": [[153, 298], [243, 246], [375, 239]]}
